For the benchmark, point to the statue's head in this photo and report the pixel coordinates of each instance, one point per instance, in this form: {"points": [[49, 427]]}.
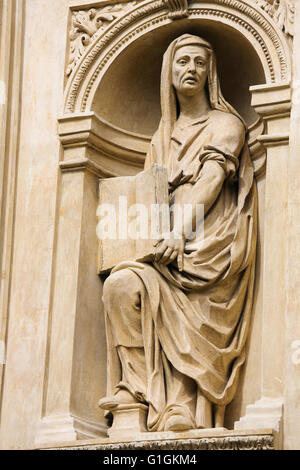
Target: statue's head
{"points": [[190, 65], [190, 69]]}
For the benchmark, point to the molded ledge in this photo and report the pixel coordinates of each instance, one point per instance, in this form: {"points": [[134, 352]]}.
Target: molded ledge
{"points": [[271, 100], [67, 428], [86, 135], [206, 439], [264, 413]]}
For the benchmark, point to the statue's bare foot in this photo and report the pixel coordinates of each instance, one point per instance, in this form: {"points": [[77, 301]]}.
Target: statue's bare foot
{"points": [[122, 397]]}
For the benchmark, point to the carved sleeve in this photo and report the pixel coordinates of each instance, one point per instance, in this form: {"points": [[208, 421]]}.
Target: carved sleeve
{"points": [[227, 141]]}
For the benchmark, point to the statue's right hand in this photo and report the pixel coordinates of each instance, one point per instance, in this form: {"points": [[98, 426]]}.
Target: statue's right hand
{"points": [[168, 248]]}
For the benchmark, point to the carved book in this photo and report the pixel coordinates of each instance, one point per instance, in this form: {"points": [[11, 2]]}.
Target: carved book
{"points": [[133, 212]]}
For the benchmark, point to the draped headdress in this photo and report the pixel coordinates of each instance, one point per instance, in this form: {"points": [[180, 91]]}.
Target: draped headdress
{"points": [[168, 94]]}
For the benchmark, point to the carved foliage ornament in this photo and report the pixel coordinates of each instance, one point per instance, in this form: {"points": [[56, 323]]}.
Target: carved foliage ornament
{"points": [[282, 12], [87, 25]]}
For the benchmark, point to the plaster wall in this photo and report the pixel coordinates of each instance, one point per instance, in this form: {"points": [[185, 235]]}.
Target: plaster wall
{"points": [[42, 91]]}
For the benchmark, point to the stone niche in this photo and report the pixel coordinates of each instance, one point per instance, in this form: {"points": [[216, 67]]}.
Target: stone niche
{"points": [[111, 111], [134, 77]]}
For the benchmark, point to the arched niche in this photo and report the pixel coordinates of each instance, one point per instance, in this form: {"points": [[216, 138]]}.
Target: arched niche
{"points": [[113, 91], [128, 95], [111, 109], [210, 17]]}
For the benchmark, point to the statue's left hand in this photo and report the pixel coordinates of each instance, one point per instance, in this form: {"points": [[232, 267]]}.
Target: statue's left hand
{"points": [[168, 248]]}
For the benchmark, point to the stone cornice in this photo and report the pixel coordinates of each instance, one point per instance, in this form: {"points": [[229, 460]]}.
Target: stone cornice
{"points": [[88, 131], [271, 100], [274, 140], [83, 164], [87, 138], [273, 104]]}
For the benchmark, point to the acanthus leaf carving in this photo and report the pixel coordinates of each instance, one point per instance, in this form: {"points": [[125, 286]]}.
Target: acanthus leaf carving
{"points": [[282, 12], [87, 25]]}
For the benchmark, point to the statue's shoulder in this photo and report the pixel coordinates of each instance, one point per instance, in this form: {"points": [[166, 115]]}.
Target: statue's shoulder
{"points": [[226, 119], [227, 124], [228, 130]]}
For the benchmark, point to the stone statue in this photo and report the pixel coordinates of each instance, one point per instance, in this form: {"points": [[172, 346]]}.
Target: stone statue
{"points": [[177, 327]]}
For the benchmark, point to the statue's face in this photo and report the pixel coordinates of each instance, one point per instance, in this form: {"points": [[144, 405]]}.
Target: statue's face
{"points": [[190, 69]]}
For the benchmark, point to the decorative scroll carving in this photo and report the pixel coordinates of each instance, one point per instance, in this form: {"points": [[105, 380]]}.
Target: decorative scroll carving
{"points": [[263, 442], [177, 8], [282, 12], [87, 25]]}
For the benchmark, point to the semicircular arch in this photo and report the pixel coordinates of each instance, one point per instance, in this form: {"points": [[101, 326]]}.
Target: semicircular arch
{"points": [[244, 17]]}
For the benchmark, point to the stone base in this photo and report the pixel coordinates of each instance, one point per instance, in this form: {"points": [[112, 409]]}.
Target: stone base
{"points": [[264, 413], [54, 428], [206, 439], [128, 420], [68, 428]]}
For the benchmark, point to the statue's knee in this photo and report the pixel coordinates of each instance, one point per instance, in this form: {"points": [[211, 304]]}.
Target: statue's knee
{"points": [[114, 283], [123, 283]]}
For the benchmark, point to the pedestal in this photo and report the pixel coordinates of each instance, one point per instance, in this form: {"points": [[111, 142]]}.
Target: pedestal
{"points": [[129, 420]]}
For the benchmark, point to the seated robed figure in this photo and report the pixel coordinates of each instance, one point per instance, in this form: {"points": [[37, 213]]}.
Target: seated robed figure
{"points": [[177, 327]]}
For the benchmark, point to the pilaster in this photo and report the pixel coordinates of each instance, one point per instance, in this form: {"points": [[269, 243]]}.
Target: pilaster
{"points": [[76, 370], [273, 104]]}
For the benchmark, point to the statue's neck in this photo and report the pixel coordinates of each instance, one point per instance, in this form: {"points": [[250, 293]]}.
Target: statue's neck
{"points": [[192, 107]]}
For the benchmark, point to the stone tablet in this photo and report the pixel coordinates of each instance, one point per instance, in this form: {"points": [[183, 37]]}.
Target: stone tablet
{"points": [[132, 214]]}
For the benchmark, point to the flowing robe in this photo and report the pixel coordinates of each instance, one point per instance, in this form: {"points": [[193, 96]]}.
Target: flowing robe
{"points": [[190, 327]]}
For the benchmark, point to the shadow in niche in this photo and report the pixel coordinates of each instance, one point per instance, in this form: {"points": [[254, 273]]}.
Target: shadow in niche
{"points": [[129, 93]]}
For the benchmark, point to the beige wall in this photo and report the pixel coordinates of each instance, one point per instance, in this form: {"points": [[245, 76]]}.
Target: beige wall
{"points": [[292, 309], [43, 78]]}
